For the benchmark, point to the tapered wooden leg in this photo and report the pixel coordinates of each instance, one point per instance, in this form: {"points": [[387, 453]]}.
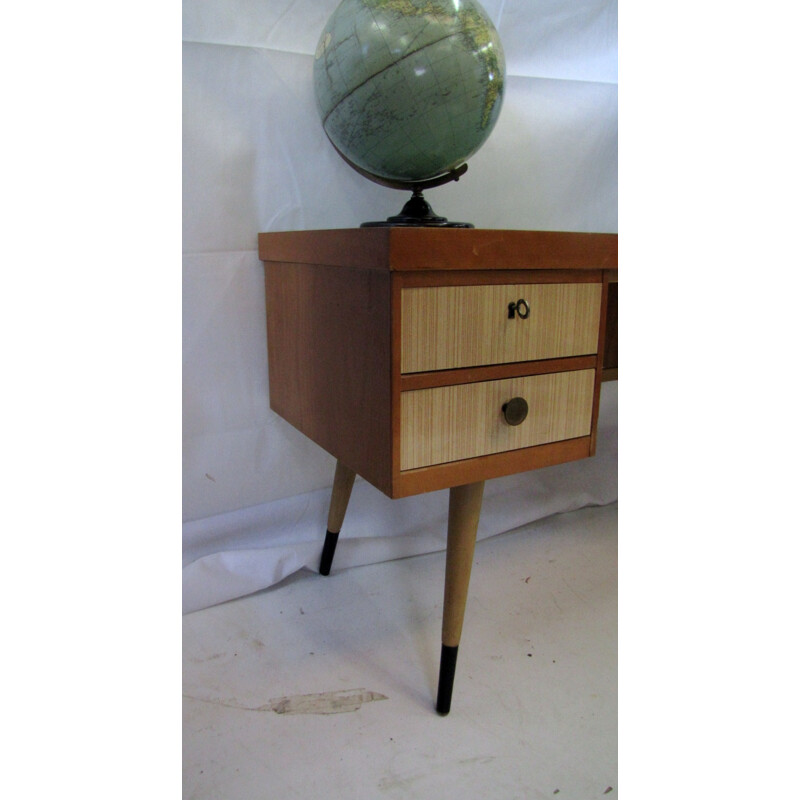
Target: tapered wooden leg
{"points": [[340, 496], [462, 528]]}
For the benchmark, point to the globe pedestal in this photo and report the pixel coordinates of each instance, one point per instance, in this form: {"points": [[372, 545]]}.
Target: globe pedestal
{"points": [[417, 213]]}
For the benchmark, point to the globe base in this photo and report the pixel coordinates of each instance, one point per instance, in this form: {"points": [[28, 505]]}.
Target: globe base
{"points": [[417, 213]]}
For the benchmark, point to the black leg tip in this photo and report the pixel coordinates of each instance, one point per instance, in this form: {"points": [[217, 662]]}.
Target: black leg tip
{"points": [[328, 549], [447, 674]]}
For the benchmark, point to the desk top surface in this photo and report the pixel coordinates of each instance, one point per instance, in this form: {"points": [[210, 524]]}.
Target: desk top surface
{"points": [[415, 249]]}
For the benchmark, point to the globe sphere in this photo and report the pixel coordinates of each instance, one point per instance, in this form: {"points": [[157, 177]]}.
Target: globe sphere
{"points": [[408, 90]]}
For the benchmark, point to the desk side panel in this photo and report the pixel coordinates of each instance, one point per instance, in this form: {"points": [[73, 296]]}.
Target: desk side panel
{"points": [[328, 344]]}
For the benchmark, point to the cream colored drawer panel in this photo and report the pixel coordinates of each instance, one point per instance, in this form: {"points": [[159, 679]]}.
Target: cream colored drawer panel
{"points": [[450, 423], [446, 327]]}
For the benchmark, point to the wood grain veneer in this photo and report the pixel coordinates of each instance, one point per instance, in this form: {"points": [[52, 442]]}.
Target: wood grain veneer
{"points": [[461, 326], [340, 335], [446, 377], [328, 345], [483, 277], [495, 465], [413, 249], [478, 248], [451, 423]]}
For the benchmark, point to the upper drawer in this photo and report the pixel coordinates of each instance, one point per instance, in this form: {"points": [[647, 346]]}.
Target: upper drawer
{"points": [[446, 327]]}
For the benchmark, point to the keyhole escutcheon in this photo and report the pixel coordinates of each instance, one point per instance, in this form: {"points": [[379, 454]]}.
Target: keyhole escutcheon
{"points": [[520, 308]]}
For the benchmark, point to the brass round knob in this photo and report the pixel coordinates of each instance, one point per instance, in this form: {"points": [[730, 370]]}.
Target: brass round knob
{"points": [[515, 410]]}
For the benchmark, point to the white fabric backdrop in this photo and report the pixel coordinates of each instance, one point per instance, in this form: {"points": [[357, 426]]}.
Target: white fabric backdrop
{"points": [[256, 159]]}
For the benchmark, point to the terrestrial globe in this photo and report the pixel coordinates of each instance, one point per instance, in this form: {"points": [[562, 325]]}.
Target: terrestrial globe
{"points": [[408, 90]]}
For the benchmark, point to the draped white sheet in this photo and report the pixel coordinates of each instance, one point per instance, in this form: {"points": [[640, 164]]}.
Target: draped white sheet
{"points": [[256, 159]]}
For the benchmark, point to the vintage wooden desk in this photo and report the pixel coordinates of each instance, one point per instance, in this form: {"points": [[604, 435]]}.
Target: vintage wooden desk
{"points": [[424, 359]]}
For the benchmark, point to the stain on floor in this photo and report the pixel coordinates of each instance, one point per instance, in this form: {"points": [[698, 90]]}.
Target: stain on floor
{"points": [[323, 703]]}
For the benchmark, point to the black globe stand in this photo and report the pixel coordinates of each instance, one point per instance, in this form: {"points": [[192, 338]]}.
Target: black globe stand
{"points": [[417, 213]]}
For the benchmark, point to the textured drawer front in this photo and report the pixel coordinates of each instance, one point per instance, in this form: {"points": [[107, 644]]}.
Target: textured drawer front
{"points": [[464, 326], [450, 423]]}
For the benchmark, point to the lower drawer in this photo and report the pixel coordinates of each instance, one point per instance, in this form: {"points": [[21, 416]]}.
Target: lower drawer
{"points": [[450, 423]]}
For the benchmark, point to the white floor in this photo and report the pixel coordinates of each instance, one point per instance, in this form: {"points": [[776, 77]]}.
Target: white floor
{"points": [[534, 710]]}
